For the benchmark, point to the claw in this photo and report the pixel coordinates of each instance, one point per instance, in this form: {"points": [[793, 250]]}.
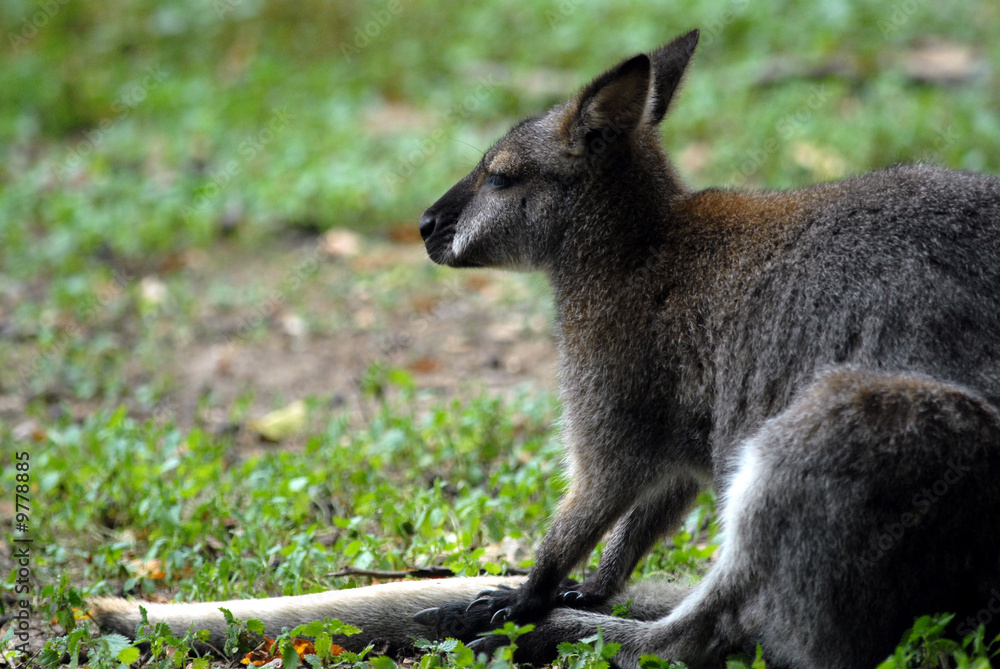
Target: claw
{"points": [[478, 602], [504, 586], [571, 596], [485, 644], [501, 616], [427, 616]]}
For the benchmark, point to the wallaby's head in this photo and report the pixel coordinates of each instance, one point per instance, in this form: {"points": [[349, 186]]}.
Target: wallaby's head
{"points": [[580, 168]]}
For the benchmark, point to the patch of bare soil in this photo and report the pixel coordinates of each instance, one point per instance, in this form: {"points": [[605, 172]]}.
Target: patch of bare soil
{"points": [[220, 338], [322, 316]]}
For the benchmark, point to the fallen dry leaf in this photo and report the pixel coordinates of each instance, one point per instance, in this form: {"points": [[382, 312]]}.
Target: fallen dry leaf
{"points": [[149, 569], [304, 647], [940, 62], [29, 430], [405, 233], [152, 290], [257, 658], [78, 614], [424, 365], [477, 282], [268, 651], [282, 423], [340, 243], [826, 164]]}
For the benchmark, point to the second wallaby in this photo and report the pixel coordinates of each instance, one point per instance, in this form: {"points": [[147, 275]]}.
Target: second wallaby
{"points": [[828, 358]]}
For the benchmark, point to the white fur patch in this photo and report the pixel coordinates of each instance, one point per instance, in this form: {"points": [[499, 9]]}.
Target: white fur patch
{"points": [[744, 484], [463, 237], [471, 228]]}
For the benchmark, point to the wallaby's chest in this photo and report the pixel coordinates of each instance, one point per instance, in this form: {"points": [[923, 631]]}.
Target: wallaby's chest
{"points": [[631, 382]]}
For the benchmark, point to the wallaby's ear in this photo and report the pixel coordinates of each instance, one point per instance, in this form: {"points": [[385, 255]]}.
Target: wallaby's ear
{"points": [[610, 106], [669, 62]]}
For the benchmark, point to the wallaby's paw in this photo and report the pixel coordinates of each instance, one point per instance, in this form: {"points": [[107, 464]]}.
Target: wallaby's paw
{"points": [[584, 595], [487, 597], [428, 617], [455, 620], [488, 644], [501, 605], [508, 604], [533, 648], [576, 599]]}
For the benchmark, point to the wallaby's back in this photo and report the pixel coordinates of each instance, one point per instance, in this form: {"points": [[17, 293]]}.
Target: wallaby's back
{"points": [[897, 270]]}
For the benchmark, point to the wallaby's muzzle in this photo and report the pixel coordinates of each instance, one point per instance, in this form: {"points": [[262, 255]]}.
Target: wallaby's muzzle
{"points": [[438, 223], [437, 232], [428, 221]]}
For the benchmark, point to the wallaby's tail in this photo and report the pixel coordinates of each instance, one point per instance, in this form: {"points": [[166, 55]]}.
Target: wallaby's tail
{"points": [[383, 612]]}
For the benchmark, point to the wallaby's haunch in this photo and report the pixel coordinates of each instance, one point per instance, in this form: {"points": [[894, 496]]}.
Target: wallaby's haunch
{"points": [[828, 357]]}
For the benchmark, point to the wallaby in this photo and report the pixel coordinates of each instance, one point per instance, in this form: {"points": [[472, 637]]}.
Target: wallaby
{"points": [[828, 357]]}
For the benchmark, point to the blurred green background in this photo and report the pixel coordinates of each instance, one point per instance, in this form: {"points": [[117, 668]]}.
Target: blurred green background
{"points": [[136, 128], [133, 133]]}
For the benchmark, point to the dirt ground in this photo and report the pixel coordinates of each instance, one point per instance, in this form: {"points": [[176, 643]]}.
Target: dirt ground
{"points": [[374, 305], [226, 336]]}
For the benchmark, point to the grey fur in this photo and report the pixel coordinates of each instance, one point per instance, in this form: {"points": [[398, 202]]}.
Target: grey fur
{"points": [[686, 321]]}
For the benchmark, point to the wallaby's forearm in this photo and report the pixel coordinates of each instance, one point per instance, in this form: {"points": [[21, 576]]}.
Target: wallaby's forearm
{"points": [[633, 536]]}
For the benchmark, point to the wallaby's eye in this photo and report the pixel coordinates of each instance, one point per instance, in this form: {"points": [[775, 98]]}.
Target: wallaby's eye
{"points": [[498, 181]]}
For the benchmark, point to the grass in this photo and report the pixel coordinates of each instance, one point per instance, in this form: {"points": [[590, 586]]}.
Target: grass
{"points": [[167, 171], [143, 508]]}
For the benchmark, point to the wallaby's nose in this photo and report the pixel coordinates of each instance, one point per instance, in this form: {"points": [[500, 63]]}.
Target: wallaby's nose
{"points": [[427, 224]]}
